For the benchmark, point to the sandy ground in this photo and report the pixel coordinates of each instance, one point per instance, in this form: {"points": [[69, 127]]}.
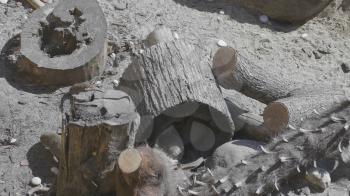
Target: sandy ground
{"points": [[26, 112]]}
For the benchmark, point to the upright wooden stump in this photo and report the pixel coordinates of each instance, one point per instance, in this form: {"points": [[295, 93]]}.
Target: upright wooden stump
{"points": [[99, 126]]}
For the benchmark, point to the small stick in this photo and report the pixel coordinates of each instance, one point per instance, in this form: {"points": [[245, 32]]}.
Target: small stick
{"points": [[36, 3]]}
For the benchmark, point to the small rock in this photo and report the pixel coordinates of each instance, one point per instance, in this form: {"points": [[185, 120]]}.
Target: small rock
{"points": [[345, 67], [176, 36], [13, 140], [35, 181], [318, 177], [113, 55], [3, 1], [24, 162], [232, 153], [221, 12], [98, 83], [304, 35], [264, 18], [222, 43], [116, 83]]}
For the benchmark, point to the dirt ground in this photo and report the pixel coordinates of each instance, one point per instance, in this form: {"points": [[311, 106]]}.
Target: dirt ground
{"points": [[27, 111]]}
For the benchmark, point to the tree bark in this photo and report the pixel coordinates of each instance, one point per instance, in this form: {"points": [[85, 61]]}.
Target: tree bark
{"points": [[233, 70], [100, 126], [292, 110], [246, 114], [174, 78]]}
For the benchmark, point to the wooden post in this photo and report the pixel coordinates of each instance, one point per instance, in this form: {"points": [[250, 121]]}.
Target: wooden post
{"points": [[99, 127]]}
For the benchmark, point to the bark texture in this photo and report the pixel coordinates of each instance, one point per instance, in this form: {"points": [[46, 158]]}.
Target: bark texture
{"points": [[170, 78], [101, 125]]}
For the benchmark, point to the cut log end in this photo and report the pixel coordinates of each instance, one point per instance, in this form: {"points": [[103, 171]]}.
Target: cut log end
{"points": [[129, 161], [223, 66], [276, 117]]}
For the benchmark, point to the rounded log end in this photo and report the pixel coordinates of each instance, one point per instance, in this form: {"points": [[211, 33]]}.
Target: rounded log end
{"points": [[276, 117], [129, 161], [224, 62]]}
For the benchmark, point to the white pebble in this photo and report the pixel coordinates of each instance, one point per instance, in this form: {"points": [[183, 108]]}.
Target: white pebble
{"points": [[264, 18], [116, 82], [221, 12], [35, 181], [176, 36], [98, 83], [304, 35], [112, 55], [13, 140], [222, 43], [3, 1]]}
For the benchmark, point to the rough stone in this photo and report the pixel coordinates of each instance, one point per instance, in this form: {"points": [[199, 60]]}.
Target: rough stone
{"points": [[232, 153], [64, 44]]}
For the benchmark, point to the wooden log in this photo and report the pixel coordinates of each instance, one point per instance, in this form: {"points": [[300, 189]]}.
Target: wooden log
{"points": [[146, 171], [99, 126], [170, 74], [246, 114], [233, 70], [292, 110]]}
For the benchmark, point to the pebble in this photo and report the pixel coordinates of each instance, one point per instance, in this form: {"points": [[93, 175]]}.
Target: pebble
{"points": [[113, 55], [176, 36], [13, 140], [3, 1], [35, 181], [222, 43], [264, 18], [221, 12], [98, 83], [304, 35], [116, 83]]}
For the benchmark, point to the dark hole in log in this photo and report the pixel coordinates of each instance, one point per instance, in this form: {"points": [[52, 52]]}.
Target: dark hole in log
{"points": [[59, 37], [197, 130]]}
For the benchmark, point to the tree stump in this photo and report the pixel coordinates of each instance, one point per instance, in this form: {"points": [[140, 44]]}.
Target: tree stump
{"points": [[99, 126], [174, 78]]}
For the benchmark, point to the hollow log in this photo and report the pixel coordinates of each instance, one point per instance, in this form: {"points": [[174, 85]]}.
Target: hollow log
{"points": [[292, 110], [233, 70], [281, 165], [168, 76], [99, 126]]}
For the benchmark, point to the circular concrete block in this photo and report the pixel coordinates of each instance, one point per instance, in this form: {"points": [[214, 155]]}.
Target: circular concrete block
{"points": [[64, 44]]}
